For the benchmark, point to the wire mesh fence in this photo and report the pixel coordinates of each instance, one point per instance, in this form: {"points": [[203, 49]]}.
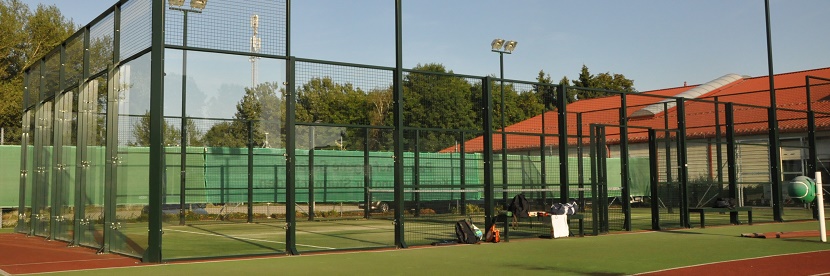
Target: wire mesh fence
{"points": [[335, 156]]}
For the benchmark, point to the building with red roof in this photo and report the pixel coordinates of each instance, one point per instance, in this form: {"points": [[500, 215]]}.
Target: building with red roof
{"points": [[704, 120]]}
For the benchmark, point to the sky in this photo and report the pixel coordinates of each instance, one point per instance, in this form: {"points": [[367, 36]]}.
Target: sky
{"points": [[657, 43]]}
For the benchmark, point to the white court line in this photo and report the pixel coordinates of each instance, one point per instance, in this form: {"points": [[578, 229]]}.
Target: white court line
{"points": [[247, 239]]}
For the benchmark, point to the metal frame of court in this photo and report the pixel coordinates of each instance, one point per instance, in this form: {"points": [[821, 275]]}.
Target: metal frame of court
{"points": [[67, 81]]}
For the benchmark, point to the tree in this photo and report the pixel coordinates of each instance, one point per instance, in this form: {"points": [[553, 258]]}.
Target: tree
{"points": [[380, 114], [438, 101], [324, 100], [272, 115], [544, 91], [25, 38], [260, 107], [605, 81], [141, 132]]}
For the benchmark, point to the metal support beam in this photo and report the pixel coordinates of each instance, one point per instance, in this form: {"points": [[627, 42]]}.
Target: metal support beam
{"points": [[625, 177], [774, 142], [398, 135], [654, 179], [290, 159], [683, 172], [489, 183], [250, 165], [731, 157], [156, 171], [775, 165], [562, 116]]}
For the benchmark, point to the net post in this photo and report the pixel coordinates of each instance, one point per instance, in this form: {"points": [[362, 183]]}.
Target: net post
{"points": [[820, 198]]}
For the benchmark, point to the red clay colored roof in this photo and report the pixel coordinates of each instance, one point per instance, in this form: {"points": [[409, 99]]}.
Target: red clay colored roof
{"points": [[749, 96]]}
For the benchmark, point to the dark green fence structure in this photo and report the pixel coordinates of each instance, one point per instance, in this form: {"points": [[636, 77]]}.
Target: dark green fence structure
{"points": [[168, 132]]}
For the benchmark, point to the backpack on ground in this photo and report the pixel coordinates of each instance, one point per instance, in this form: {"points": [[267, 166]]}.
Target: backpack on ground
{"points": [[464, 232], [493, 234], [519, 207]]}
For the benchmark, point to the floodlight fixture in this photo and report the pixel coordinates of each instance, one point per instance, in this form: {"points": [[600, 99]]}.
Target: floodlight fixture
{"points": [[497, 43], [177, 3], [198, 4], [510, 46]]}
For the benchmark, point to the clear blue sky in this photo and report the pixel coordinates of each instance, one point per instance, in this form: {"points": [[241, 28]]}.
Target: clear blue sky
{"points": [[657, 43]]}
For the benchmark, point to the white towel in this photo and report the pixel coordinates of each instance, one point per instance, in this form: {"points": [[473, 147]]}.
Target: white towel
{"points": [[559, 224]]}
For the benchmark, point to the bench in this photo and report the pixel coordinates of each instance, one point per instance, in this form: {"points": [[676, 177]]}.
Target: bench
{"points": [[703, 211], [542, 220]]}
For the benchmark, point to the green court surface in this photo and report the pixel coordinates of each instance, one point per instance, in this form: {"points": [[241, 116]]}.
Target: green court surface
{"points": [[614, 254], [198, 239]]}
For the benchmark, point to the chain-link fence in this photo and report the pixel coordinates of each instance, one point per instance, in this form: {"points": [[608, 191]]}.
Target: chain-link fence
{"points": [[265, 153]]}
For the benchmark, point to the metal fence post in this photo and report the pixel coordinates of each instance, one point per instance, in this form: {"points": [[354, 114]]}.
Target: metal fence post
{"points": [[731, 157], [156, 179], [683, 172], [250, 199], [290, 158], [775, 165], [398, 135], [624, 166], [561, 106], [489, 193], [654, 179]]}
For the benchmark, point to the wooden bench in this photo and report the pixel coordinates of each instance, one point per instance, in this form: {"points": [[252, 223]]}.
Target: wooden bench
{"points": [[542, 220], [703, 211]]}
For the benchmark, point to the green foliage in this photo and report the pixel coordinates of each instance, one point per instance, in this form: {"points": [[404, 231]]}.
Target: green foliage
{"points": [[172, 134], [546, 94], [439, 101], [474, 209], [606, 81], [26, 37], [262, 108]]}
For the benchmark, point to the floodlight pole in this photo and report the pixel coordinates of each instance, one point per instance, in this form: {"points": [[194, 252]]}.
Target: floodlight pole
{"points": [[774, 144], [504, 178], [184, 142], [183, 153], [503, 134]]}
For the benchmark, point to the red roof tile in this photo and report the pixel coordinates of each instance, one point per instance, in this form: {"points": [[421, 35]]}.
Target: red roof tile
{"points": [[748, 95]]}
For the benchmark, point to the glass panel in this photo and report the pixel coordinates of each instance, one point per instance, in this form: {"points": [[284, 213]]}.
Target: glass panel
{"points": [[27, 165], [132, 88], [222, 103], [65, 118], [43, 162], [92, 145]]}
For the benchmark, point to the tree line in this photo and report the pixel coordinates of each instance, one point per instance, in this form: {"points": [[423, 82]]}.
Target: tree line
{"points": [[434, 100]]}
